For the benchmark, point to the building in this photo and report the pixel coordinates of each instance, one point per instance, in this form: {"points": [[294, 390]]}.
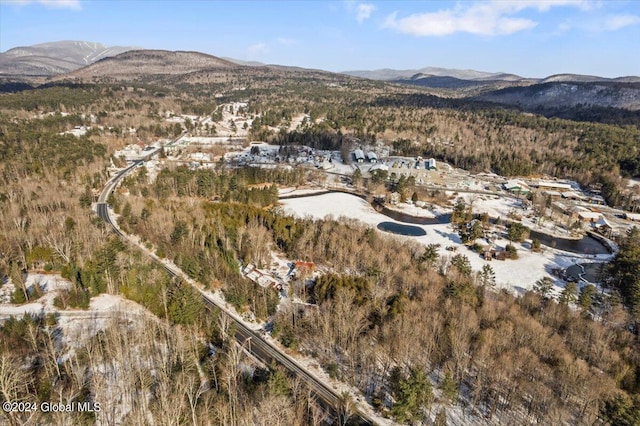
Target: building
{"points": [[379, 167], [516, 186], [572, 195], [554, 195], [603, 226], [430, 164], [373, 158], [359, 155], [543, 184], [591, 217], [632, 216]]}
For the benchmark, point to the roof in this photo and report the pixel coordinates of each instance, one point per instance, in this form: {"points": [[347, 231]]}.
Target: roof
{"points": [[516, 185], [379, 166], [633, 216], [574, 195], [589, 215], [547, 184], [358, 153]]}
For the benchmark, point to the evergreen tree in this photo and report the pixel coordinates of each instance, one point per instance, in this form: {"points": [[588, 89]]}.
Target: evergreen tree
{"points": [[569, 294], [487, 277], [430, 255], [449, 388], [462, 264], [543, 287], [625, 272], [585, 300], [413, 394]]}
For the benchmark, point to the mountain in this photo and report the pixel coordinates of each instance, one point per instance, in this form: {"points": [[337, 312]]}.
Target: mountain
{"points": [[245, 63], [391, 74], [148, 65], [555, 93], [48, 59]]}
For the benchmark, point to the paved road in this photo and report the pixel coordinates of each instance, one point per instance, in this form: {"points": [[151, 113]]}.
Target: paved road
{"points": [[252, 341]]}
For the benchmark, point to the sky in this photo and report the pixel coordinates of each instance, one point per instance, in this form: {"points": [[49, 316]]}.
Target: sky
{"points": [[531, 38]]}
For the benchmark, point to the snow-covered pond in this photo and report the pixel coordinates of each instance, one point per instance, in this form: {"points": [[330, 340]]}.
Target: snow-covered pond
{"points": [[518, 275]]}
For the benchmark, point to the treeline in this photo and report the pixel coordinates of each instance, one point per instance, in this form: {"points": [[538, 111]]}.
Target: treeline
{"points": [[515, 358], [56, 97], [402, 311], [35, 147], [240, 185], [139, 370]]}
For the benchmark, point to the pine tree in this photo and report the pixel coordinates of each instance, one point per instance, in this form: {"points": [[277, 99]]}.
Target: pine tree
{"points": [[585, 300], [487, 277], [543, 287], [449, 388], [625, 271], [569, 294]]}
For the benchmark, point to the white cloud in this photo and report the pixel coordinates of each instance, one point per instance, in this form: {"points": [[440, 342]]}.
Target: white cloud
{"points": [[257, 49], [364, 11], [51, 4], [616, 22], [482, 18], [286, 41], [600, 23]]}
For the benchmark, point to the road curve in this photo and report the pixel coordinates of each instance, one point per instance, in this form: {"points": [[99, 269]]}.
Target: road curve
{"points": [[252, 341]]}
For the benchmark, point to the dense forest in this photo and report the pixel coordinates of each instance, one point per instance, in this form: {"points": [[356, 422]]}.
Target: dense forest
{"points": [[413, 331]]}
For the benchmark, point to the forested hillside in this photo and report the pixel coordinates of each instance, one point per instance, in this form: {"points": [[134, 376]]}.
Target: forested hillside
{"points": [[410, 329]]}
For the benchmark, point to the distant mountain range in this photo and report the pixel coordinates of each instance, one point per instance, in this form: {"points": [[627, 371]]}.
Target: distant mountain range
{"points": [[48, 59], [531, 94], [83, 61], [416, 75], [392, 74]]}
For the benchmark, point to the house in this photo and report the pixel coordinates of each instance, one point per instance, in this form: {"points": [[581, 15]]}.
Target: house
{"points": [[380, 167], [359, 155], [261, 278], [516, 186], [430, 164], [502, 255], [554, 195], [632, 216], [542, 184], [489, 254], [603, 226], [310, 266], [572, 195], [589, 216], [373, 158]]}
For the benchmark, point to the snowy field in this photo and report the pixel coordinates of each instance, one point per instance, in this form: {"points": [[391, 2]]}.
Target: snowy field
{"points": [[76, 325], [518, 275]]}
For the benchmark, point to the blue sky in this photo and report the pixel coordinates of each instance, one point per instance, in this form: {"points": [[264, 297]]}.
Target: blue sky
{"points": [[532, 38]]}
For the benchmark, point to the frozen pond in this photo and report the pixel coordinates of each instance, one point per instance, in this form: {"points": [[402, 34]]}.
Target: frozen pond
{"points": [[402, 229]]}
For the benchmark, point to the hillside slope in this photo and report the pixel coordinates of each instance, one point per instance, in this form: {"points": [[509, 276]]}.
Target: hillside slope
{"points": [[48, 59]]}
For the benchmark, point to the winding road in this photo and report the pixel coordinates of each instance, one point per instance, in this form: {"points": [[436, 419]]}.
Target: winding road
{"points": [[253, 342]]}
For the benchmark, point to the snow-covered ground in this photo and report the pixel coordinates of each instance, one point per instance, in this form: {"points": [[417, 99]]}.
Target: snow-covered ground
{"points": [[518, 275], [297, 120], [290, 191], [206, 140], [76, 325]]}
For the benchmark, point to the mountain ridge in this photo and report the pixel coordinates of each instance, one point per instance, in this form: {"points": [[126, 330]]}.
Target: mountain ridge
{"points": [[53, 58]]}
